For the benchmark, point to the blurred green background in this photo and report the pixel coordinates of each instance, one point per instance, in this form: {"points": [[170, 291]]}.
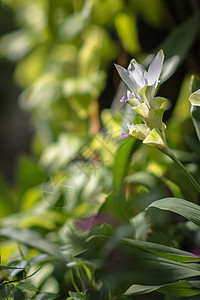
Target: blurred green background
{"points": [[78, 40], [62, 162]]}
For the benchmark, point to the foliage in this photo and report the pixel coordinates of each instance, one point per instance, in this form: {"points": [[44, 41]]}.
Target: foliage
{"points": [[93, 216]]}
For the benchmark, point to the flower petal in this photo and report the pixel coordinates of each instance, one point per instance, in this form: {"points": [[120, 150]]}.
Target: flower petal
{"points": [[155, 68], [137, 72], [195, 98], [123, 99], [127, 78]]}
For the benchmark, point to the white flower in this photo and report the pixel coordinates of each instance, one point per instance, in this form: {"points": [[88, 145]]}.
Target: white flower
{"points": [[136, 77]]}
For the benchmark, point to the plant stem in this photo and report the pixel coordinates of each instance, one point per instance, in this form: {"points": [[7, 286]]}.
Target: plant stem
{"points": [[187, 173]]}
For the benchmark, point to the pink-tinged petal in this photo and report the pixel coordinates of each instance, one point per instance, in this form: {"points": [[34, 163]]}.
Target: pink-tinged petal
{"points": [[124, 135], [123, 99], [155, 68]]}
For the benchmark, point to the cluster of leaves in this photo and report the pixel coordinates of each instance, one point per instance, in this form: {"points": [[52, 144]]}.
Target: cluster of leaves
{"points": [[81, 222]]}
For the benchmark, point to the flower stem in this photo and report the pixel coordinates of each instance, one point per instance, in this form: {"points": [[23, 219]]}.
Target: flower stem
{"points": [[187, 173]]}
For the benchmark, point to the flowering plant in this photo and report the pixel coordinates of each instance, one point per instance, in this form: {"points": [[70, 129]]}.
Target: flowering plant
{"points": [[141, 88]]}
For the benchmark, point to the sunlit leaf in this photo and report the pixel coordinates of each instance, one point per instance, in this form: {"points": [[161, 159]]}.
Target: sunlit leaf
{"points": [[32, 239], [127, 29]]}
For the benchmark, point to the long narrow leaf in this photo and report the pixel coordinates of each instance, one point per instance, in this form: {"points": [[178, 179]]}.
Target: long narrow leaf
{"points": [[182, 207], [32, 239], [163, 251]]}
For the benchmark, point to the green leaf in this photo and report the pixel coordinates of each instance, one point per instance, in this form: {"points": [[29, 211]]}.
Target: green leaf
{"points": [[128, 146], [182, 207], [181, 288], [141, 289], [163, 251], [27, 286], [148, 179], [32, 239], [142, 266]]}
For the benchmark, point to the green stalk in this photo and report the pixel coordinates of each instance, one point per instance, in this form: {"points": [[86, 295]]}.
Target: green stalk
{"points": [[187, 173]]}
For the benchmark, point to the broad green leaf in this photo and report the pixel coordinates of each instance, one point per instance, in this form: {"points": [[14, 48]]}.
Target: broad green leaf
{"points": [[27, 286], [140, 289], [116, 202], [163, 251], [181, 288], [142, 267], [182, 207], [128, 146], [32, 239], [148, 179]]}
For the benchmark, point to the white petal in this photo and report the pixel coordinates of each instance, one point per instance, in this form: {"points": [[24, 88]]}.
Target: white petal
{"points": [[130, 94], [138, 72], [130, 126], [155, 68], [195, 98], [127, 78]]}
